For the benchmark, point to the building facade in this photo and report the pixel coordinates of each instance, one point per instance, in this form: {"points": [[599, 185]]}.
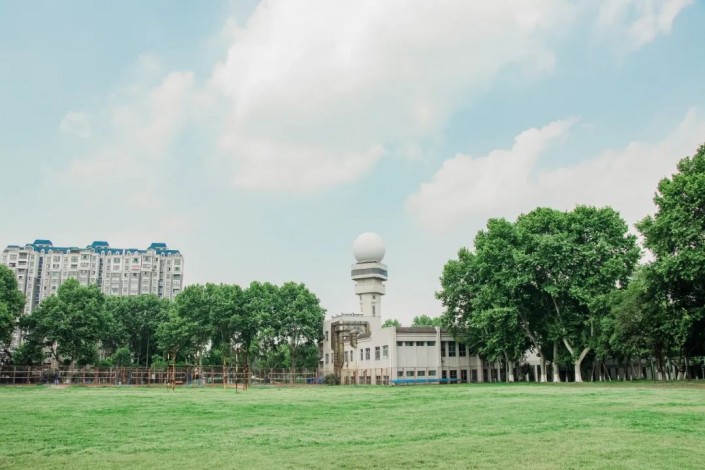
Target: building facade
{"points": [[41, 267], [357, 349]]}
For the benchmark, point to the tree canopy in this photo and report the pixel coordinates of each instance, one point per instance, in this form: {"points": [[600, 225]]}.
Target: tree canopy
{"points": [[425, 320], [277, 325], [675, 235], [11, 306], [70, 324], [543, 279]]}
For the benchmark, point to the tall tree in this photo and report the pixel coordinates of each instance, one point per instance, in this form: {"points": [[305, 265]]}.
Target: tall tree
{"points": [[575, 260], [546, 275], [391, 322], [300, 319], [193, 306], [482, 300], [253, 321], [227, 308], [174, 336], [134, 324], [69, 323], [639, 324], [676, 237], [11, 305]]}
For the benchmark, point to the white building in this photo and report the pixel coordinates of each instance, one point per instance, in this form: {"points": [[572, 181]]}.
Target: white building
{"points": [[41, 267], [358, 350]]}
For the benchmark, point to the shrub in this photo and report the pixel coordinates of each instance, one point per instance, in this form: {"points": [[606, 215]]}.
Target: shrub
{"points": [[331, 379]]}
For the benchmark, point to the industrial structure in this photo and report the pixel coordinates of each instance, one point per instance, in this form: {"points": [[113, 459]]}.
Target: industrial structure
{"points": [[358, 350]]}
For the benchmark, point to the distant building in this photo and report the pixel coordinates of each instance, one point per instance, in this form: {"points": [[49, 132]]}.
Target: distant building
{"points": [[41, 267], [358, 350]]}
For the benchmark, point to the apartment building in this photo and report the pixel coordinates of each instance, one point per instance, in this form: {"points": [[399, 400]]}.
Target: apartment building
{"points": [[41, 267]]}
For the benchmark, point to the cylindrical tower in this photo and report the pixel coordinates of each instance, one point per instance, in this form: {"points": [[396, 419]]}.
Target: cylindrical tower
{"points": [[369, 273]]}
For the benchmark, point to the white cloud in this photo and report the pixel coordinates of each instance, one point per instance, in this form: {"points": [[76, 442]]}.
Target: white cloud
{"points": [[313, 94], [490, 185], [320, 90], [635, 23], [76, 124], [502, 183], [140, 127]]}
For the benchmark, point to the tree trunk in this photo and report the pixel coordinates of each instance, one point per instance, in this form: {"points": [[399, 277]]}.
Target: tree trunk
{"points": [[293, 363], [542, 370], [510, 368], [633, 372], [246, 371], [554, 364], [578, 362]]}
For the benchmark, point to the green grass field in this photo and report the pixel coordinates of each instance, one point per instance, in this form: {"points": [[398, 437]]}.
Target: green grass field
{"points": [[475, 426]]}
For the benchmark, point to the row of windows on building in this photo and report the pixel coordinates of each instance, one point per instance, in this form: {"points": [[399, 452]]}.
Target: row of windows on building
{"points": [[380, 352], [448, 349], [426, 376]]}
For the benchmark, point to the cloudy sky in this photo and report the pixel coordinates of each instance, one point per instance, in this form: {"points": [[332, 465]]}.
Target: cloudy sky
{"points": [[260, 138]]}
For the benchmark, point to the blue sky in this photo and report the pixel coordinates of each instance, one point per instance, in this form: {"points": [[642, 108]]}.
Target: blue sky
{"points": [[261, 137]]}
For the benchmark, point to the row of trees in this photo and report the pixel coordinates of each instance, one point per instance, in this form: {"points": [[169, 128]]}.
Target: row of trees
{"points": [[568, 285], [418, 321], [274, 326]]}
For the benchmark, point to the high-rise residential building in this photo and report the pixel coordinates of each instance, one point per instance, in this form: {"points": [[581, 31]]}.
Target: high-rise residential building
{"points": [[41, 267]]}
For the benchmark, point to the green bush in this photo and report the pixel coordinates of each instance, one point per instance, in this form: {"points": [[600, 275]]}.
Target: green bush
{"points": [[331, 379]]}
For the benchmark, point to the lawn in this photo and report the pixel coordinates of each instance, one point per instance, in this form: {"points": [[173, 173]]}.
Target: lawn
{"points": [[462, 426]]}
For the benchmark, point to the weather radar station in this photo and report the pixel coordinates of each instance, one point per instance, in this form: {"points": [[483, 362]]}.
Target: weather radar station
{"points": [[369, 273]]}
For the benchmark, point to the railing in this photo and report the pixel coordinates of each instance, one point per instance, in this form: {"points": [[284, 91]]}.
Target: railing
{"points": [[188, 376]]}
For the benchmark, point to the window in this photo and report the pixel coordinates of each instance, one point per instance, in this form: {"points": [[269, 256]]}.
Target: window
{"points": [[400, 373], [453, 375], [367, 354], [419, 343], [421, 373], [430, 343], [409, 373], [462, 352], [326, 358], [361, 354], [377, 353], [409, 343], [443, 349], [400, 344], [385, 351], [451, 348], [326, 336], [373, 310], [432, 373]]}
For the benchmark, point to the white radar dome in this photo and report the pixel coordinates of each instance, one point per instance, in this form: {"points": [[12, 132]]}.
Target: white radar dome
{"points": [[368, 247]]}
